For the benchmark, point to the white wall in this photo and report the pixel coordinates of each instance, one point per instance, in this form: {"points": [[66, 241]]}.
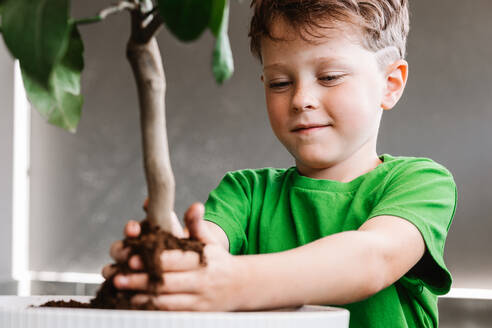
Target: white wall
{"points": [[6, 158]]}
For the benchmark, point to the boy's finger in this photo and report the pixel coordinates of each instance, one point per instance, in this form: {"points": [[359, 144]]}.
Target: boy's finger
{"points": [[146, 204], [177, 260], [181, 282], [134, 281], [135, 263], [118, 252], [132, 229], [194, 222], [108, 271], [176, 302], [140, 299], [171, 302]]}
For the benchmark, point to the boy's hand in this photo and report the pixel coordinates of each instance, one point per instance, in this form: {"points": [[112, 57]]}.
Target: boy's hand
{"points": [[132, 230], [189, 285]]}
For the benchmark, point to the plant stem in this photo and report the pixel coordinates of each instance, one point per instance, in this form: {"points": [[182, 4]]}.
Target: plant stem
{"points": [[145, 59], [88, 20], [119, 7]]}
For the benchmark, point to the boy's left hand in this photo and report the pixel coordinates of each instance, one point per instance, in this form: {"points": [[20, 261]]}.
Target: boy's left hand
{"points": [[189, 285]]}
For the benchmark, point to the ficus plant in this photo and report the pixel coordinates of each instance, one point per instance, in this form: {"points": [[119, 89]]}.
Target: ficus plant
{"points": [[46, 41]]}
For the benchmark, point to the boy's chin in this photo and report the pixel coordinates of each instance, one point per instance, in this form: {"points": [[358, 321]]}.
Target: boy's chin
{"points": [[315, 162]]}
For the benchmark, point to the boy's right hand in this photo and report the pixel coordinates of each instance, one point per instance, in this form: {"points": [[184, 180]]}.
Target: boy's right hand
{"points": [[132, 230]]}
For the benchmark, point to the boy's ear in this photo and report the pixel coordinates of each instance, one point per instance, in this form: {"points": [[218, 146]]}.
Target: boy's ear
{"points": [[395, 80]]}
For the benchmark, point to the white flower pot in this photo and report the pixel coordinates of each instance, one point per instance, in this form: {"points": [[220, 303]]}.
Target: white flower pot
{"points": [[16, 313]]}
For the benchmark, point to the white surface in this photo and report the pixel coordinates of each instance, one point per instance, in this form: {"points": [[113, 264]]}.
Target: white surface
{"points": [[74, 277], [15, 313], [469, 293], [20, 190]]}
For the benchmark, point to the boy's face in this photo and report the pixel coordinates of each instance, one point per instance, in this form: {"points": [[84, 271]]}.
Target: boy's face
{"points": [[323, 99]]}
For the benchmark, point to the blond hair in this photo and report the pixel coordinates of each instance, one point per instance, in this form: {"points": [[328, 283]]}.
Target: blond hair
{"points": [[383, 24]]}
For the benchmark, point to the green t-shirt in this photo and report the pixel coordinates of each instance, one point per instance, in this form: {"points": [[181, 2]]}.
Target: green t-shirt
{"points": [[271, 210]]}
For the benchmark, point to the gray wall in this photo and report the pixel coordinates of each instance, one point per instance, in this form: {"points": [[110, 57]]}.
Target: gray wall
{"points": [[446, 115], [84, 187]]}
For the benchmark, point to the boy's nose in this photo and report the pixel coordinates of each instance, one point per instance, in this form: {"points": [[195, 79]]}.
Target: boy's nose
{"points": [[303, 101]]}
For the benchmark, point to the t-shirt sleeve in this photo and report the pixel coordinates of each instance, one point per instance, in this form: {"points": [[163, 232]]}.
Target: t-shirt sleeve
{"points": [[229, 207], [424, 193]]}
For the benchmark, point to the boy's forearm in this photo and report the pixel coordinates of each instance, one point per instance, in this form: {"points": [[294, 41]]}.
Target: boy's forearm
{"points": [[337, 269]]}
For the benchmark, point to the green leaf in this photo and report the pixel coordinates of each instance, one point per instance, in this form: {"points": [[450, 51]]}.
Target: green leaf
{"points": [[222, 61], [1, 10], [36, 32], [186, 19], [61, 103], [218, 8]]}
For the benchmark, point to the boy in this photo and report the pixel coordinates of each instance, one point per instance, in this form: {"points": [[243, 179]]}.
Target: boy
{"points": [[344, 226]]}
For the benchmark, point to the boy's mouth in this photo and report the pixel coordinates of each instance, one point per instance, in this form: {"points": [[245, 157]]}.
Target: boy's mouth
{"points": [[304, 128]]}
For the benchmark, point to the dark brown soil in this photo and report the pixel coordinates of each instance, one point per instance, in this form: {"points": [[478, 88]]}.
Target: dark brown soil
{"points": [[149, 245]]}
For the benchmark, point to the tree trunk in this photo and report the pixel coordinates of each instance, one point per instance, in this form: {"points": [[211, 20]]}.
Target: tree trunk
{"points": [[145, 59]]}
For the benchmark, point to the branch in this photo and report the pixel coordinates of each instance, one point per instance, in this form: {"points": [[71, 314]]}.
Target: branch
{"points": [[144, 26], [146, 63], [151, 29], [119, 7]]}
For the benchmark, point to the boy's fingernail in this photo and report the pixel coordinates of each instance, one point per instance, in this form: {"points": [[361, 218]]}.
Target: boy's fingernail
{"points": [[122, 280], [139, 299], [135, 262]]}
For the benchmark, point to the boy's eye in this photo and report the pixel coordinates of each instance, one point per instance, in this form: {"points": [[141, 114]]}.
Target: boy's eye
{"points": [[284, 84], [278, 85], [330, 78]]}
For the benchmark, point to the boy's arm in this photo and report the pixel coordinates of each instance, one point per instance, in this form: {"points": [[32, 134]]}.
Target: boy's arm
{"points": [[338, 269]]}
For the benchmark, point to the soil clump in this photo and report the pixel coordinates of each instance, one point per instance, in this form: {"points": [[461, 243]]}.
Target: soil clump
{"points": [[148, 245]]}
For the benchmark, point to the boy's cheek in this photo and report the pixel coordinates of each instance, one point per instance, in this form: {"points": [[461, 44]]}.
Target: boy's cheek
{"points": [[278, 120]]}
